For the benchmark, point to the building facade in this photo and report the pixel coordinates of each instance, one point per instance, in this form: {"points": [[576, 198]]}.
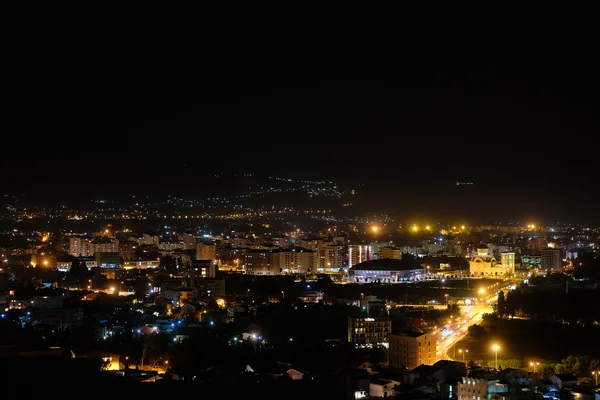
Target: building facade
{"points": [[390, 252], [552, 259], [386, 271], [298, 261], [81, 246], [206, 251], [485, 265], [358, 253], [261, 262], [412, 349], [329, 259], [369, 331]]}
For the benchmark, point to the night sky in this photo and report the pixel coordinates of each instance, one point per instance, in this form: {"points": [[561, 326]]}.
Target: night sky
{"points": [[406, 101]]}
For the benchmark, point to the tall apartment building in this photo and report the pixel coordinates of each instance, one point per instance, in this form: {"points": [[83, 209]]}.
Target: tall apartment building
{"points": [[390, 252], [261, 262], [81, 246], [200, 269], [409, 350], [330, 259], [359, 253], [552, 259], [206, 251], [105, 246], [538, 243], [507, 260], [145, 239], [189, 241], [369, 331], [298, 261]]}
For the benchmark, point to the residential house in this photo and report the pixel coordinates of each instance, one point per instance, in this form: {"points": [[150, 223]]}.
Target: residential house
{"points": [[382, 387], [480, 388], [515, 376], [561, 381], [449, 389]]}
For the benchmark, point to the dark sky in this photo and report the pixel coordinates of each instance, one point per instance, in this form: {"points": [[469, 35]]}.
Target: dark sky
{"points": [[407, 100]]}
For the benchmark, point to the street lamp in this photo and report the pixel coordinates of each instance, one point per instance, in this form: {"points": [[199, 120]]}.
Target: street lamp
{"points": [[495, 347], [463, 352], [534, 365], [596, 373]]}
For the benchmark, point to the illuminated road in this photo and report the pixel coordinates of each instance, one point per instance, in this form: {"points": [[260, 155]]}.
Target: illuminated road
{"points": [[459, 327]]}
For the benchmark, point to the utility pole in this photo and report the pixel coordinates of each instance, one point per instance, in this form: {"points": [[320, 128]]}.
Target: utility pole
{"points": [[143, 352]]}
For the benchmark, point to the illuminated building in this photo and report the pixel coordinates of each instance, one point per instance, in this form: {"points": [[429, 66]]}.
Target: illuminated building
{"points": [[202, 269], [105, 246], [108, 259], [330, 259], [386, 271], [485, 265], [552, 259], [531, 261], [206, 252], [538, 243], [507, 259], [189, 241], [261, 262], [409, 350], [480, 388], [81, 246], [297, 261], [311, 296], [358, 254], [141, 264], [390, 252], [369, 331]]}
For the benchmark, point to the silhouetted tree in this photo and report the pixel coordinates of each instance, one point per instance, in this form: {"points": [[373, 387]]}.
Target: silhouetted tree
{"points": [[512, 303], [501, 304], [78, 271], [476, 331]]}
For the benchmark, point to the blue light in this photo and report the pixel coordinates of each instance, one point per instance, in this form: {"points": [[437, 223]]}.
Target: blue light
{"points": [[308, 286], [2, 315]]}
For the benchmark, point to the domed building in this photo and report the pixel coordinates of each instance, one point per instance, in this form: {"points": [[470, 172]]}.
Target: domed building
{"points": [[484, 265], [386, 270]]}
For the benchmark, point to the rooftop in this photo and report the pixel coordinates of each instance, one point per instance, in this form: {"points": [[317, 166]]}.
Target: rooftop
{"points": [[387, 264]]}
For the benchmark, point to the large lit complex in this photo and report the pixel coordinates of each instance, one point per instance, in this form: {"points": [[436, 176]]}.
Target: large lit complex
{"points": [[386, 271], [485, 265]]}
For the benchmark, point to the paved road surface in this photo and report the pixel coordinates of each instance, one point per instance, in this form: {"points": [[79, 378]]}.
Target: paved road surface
{"points": [[458, 328]]}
